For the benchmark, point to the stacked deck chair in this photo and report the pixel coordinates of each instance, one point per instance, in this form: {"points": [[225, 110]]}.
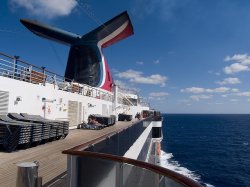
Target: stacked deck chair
{"points": [[49, 129], [104, 120], [14, 134], [62, 127], [113, 119], [124, 117], [39, 130]]}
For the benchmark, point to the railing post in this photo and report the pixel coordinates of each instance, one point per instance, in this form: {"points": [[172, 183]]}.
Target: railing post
{"points": [[15, 65], [30, 70], [44, 78], [83, 90], [54, 81]]}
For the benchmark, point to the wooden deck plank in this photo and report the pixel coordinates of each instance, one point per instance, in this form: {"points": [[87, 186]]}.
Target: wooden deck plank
{"points": [[52, 161]]}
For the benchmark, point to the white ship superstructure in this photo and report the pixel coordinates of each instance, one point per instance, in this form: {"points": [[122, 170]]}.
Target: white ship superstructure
{"points": [[29, 89]]}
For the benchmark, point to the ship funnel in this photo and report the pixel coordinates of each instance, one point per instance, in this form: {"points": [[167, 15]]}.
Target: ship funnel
{"points": [[86, 63]]}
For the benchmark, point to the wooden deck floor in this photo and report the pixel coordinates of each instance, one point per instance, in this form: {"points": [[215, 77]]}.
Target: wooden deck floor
{"points": [[52, 161]]}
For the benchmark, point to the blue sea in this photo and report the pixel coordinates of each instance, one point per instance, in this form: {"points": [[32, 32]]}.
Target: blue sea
{"points": [[212, 149]]}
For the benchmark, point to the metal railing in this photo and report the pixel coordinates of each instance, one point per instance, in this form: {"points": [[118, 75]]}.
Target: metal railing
{"points": [[13, 67], [98, 169], [90, 165], [124, 97]]}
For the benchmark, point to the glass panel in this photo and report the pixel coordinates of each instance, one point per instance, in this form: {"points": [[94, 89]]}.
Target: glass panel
{"points": [[98, 172], [94, 172], [136, 176]]}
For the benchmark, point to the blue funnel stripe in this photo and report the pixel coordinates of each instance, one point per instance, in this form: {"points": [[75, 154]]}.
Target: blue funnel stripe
{"points": [[50, 32]]}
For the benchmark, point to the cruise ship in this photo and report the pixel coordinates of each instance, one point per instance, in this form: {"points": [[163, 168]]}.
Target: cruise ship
{"points": [[48, 137]]}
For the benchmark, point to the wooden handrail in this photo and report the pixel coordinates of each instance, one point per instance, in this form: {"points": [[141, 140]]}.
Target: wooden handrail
{"points": [[181, 179]]}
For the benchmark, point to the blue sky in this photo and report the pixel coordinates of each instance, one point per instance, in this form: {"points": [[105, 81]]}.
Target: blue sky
{"points": [[189, 56]]}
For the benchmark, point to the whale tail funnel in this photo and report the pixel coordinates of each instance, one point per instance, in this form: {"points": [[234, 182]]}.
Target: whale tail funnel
{"points": [[86, 63], [105, 35], [112, 31]]}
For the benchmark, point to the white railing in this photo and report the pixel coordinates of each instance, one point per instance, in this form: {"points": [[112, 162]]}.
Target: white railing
{"points": [[14, 68], [125, 97]]}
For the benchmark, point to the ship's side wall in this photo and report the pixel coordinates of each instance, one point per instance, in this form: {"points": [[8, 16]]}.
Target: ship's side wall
{"points": [[52, 103], [140, 148]]}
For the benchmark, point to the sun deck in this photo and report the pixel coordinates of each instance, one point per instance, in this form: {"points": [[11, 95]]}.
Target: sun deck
{"points": [[51, 160]]}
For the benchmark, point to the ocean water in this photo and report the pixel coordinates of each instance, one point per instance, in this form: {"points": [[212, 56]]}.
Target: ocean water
{"points": [[212, 149]]}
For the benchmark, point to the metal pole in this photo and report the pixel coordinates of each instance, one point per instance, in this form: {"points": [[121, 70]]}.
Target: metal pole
{"points": [[30, 71], [15, 65], [44, 76], [27, 175], [45, 107]]}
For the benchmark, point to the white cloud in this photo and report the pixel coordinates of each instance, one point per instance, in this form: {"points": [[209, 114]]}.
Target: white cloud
{"points": [[193, 90], [137, 77], [236, 57], [139, 62], [121, 84], [199, 97], [46, 8], [245, 94], [235, 90], [152, 79], [234, 100], [156, 61], [157, 98], [197, 90], [129, 74], [126, 86], [229, 80], [235, 68], [242, 63], [158, 94], [214, 103], [218, 90]]}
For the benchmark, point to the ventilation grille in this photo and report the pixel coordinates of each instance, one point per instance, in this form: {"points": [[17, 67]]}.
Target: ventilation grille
{"points": [[4, 102], [104, 109], [74, 113]]}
